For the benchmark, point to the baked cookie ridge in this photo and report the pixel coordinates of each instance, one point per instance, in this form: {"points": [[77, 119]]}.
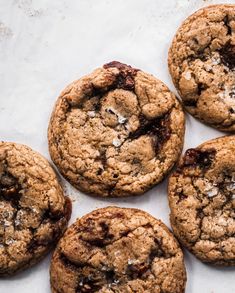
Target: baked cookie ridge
{"points": [[116, 132]]}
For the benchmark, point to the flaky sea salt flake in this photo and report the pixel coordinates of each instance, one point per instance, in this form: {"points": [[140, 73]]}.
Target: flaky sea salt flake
{"points": [[117, 142], [91, 114]]}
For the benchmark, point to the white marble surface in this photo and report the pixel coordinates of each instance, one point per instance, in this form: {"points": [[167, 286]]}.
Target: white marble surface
{"points": [[44, 45]]}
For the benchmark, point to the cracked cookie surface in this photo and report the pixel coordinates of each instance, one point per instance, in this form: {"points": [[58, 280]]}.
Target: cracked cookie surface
{"points": [[33, 210], [202, 201], [116, 132], [118, 250], [202, 65]]}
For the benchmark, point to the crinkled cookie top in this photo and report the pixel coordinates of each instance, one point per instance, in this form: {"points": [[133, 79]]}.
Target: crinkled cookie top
{"points": [[116, 131], [33, 209], [202, 201], [118, 250], [202, 65]]}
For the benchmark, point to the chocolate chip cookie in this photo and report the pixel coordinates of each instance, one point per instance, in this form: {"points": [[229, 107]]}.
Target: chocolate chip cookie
{"points": [[118, 250], [33, 209], [202, 201], [116, 132], [202, 65]]}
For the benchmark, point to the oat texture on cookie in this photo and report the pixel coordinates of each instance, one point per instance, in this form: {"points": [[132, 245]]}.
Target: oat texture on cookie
{"points": [[116, 131], [202, 201], [202, 65], [33, 210], [118, 250]]}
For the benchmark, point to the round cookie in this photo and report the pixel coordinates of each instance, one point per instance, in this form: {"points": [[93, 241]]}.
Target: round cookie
{"points": [[118, 250], [202, 65], [116, 132], [202, 201], [33, 210]]}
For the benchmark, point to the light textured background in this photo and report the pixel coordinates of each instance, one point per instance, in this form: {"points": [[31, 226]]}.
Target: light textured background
{"points": [[44, 45]]}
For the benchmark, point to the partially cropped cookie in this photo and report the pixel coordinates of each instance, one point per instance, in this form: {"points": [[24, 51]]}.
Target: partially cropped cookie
{"points": [[202, 201], [33, 210], [202, 65], [116, 132], [118, 250]]}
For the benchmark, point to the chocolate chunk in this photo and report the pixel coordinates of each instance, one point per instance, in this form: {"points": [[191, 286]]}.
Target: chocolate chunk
{"points": [[7, 180], [135, 271], [125, 78], [9, 188], [226, 22], [195, 157], [158, 128], [227, 54], [181, 196], [103, 158], [105, 231], [155, 252], [201, 87], [99, 171], [110, 276]]}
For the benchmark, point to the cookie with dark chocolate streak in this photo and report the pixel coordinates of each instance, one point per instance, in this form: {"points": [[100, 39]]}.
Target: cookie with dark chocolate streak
{"points": [[118, 250], [116, 132], [202, 201], [202, 65], [33, 210]]}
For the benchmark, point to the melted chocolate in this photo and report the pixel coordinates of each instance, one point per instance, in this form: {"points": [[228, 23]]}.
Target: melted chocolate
{"points": [[126, 77], [9, 188], [135, 271], [195, 157], [158, 128], [226, 22], [156, 251], [201, 87], [227, 54]]}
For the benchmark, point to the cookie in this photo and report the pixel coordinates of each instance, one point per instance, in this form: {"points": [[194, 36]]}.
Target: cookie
{"points": [[118, 250], [202, 65], [116, 132], [202, 201], [33, 210]]}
